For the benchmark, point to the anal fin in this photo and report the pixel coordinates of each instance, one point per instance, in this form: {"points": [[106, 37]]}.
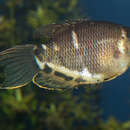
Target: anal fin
{"points": [[51, 82]]}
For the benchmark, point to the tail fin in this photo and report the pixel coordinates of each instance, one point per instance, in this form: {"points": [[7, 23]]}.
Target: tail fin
{"points": [[18, 67]]}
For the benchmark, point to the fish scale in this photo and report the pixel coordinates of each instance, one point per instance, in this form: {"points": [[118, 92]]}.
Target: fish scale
{"points": [[77, 53], [98, 36]]}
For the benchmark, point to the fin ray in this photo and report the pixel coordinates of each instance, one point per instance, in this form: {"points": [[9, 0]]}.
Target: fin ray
{"points": [[51, 29], [18, 65]]}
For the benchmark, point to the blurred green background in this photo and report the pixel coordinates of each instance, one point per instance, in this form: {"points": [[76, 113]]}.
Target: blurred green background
{"points": [[33, 108]]}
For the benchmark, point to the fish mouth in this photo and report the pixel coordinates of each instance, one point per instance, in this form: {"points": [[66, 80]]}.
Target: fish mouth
{"points": [[128, 47]]}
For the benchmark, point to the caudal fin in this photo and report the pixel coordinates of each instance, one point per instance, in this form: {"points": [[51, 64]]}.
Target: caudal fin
{"points": [[17, 66]]}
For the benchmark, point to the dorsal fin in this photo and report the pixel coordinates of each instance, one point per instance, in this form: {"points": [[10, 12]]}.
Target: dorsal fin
{"points": [[49, 30]]}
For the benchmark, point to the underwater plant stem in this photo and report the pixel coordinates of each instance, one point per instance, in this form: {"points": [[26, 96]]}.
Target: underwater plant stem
{"points": [[18, 95]]}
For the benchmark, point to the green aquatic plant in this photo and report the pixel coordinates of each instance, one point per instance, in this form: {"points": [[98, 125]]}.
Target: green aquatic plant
{"points": [[50, 109]]}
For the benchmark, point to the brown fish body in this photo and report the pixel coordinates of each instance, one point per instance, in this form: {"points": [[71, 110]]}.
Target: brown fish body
{"points": [[92, 51], [83, 52]]}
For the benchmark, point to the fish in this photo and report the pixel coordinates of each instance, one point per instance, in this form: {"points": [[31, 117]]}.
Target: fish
{"points": [[79, 52]]}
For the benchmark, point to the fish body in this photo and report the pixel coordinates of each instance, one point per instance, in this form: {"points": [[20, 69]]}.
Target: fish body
{"points": [[79, 52]]}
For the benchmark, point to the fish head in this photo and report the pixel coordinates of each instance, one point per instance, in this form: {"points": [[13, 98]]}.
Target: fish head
{"points": [[128, 44], [128, 52]]}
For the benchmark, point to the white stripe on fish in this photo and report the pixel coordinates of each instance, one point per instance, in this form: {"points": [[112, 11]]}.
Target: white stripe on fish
{"points": [[75, 39]]}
